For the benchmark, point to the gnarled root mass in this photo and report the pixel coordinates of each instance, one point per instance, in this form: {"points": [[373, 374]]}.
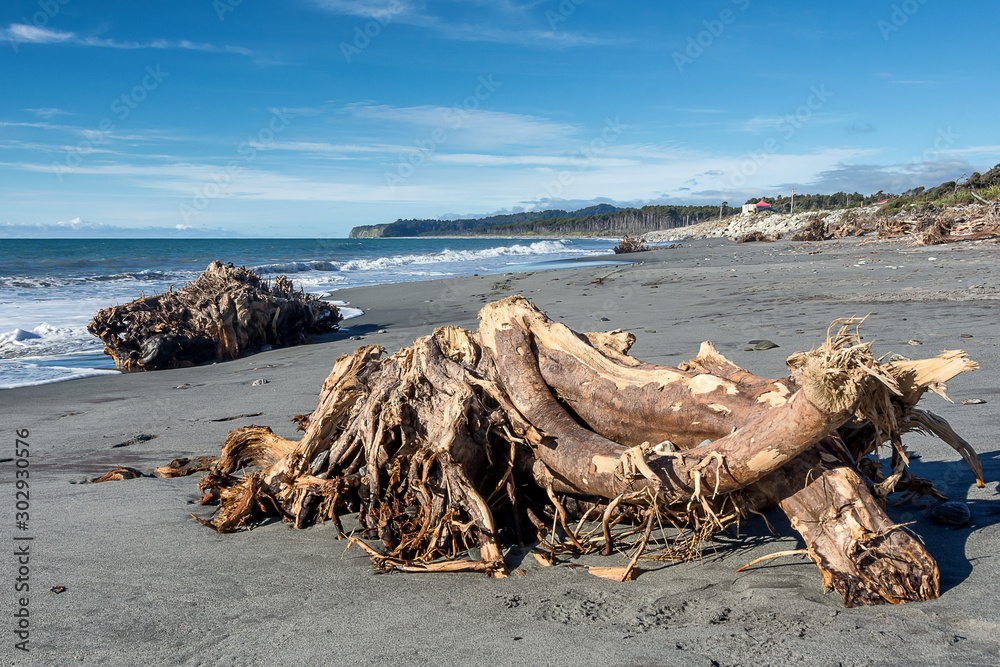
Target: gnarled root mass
{"points": [[465, 443], [226, 313]]}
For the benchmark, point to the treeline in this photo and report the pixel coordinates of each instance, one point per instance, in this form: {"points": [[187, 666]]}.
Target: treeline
{"points": [[950, 193], [817, 202], [617, 223], [464, 226]]}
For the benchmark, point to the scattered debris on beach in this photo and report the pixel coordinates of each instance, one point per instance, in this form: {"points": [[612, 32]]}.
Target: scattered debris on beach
{"points": [[226, 313], [524, 432], [924, 224]]}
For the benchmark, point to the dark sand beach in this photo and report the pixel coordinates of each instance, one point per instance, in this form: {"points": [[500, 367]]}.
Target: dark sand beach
{"points": [[146, 584]]}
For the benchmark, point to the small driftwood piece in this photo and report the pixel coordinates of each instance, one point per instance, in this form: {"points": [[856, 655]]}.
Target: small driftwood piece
{"points": [[183, 467], [475, 441], [226, 313], [118, 474]]}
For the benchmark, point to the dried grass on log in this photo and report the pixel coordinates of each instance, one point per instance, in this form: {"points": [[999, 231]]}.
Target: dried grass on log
{"points": [[466, 440], [226, 313]]}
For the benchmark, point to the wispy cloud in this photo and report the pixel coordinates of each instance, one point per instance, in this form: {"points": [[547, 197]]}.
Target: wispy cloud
{"points": [[867, 128], [700, 111], [28, 34], [469, 126], [767, 123], [993, 150], [343, 151], [42, 126], [49, 112], [19, 32], [528, 160], [521, 23], [80, 228]]}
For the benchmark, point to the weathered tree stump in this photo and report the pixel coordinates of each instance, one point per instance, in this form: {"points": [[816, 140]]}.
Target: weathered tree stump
{"points": [[226, 313], [464, 440]]}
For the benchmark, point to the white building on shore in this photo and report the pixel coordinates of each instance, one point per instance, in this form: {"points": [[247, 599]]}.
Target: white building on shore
{"points": [[759, 207]]}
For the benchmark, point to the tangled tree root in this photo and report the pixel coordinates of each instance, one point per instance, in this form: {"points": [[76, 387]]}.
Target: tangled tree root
{"points": [[631, 244], [814, 230], [465, 443], [226, 314]]}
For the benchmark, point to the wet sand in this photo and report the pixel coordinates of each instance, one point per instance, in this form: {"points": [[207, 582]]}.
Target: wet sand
{"points": [[146, 584]]}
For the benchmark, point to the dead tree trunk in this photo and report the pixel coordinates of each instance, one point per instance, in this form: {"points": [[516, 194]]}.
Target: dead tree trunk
{"points": [[463, 439]]}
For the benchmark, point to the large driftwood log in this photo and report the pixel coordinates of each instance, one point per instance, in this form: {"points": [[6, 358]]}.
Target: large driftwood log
{"points": [[464, 439], [226, 313]]}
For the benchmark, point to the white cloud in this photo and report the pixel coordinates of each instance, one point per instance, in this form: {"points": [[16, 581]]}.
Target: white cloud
{"points": [[79, 228], [521, 24], [573, 161], [345, 151], [767, 123], [21, 33], [974, 150], [476, 127], [49, 112]]}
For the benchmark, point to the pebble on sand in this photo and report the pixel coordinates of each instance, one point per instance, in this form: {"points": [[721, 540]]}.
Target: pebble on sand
{"points": [[952, 513]]}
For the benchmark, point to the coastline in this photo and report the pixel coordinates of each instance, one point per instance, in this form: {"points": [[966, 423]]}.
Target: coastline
{"points": [[52, 288], [145, 582]]}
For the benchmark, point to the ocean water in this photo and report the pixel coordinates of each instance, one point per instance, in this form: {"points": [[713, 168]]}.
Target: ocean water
{"points": [[50, 289]]}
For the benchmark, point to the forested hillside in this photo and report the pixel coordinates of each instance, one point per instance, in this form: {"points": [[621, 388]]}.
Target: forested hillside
{"points": [[463, 226], [618, 223]]}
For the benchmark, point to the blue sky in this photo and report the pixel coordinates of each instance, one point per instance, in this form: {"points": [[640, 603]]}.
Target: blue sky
{"points": [[306, 117]]}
